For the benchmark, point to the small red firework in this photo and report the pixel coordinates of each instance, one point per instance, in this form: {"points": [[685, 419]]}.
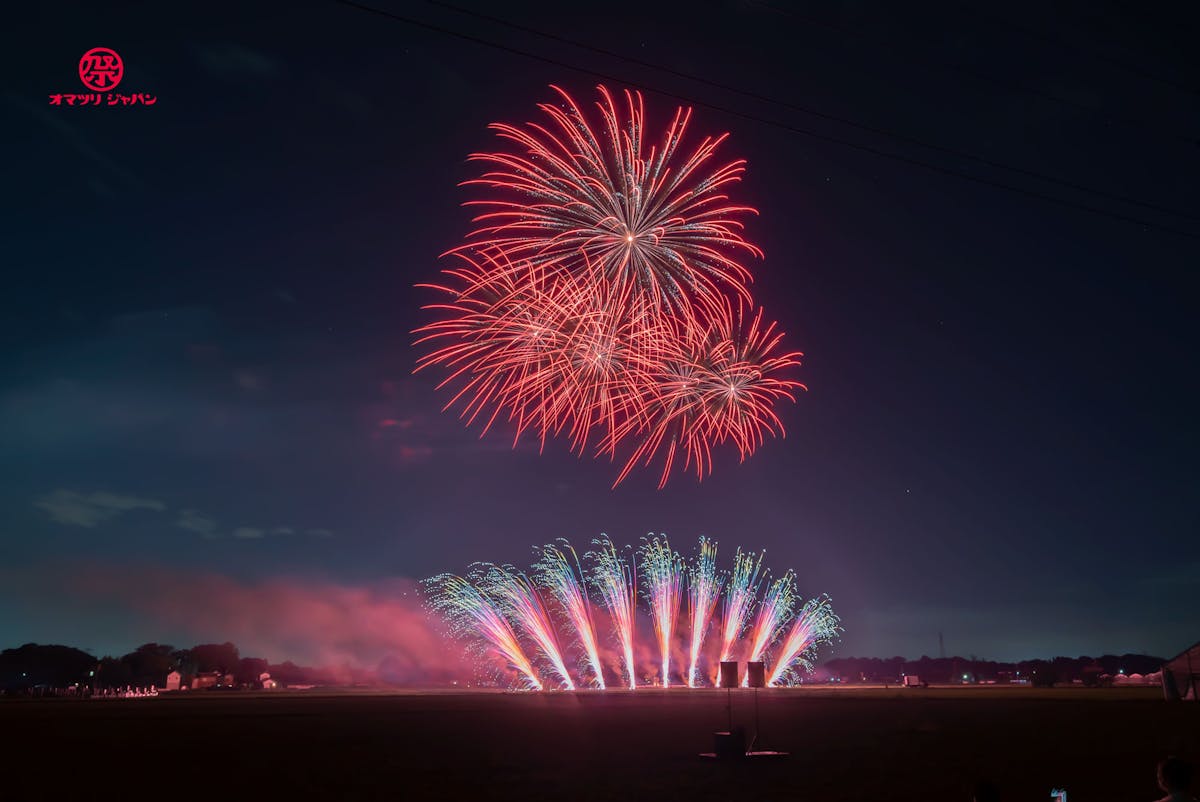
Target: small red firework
{"points": [[717, 385]]}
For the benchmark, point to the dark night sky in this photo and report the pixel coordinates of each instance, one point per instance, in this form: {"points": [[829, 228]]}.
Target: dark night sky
{"points": [[208, 305]]}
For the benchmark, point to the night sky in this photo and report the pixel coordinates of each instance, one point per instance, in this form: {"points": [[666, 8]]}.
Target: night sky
{"points": [[208, 308]]}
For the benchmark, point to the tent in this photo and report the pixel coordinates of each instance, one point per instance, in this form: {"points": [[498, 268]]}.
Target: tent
{"points": [[1181, 675]]}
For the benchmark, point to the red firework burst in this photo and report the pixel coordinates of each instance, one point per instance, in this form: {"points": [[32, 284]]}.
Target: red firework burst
{"points": [[715, 386], [647, 218], [601, 294], [549, 348]]}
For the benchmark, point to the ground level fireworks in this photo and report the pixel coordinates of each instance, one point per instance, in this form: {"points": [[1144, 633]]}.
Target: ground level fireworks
{"points": [[543, 630]]}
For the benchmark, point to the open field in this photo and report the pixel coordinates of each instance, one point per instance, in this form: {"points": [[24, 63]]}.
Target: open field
{"points": [[846, 744]]}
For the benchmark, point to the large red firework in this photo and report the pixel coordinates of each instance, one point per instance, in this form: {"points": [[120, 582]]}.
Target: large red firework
{"points": [[601, 293]]}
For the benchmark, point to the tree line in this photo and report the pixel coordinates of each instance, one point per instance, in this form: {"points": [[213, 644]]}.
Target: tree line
{"points": [[54, 666], [1088, 670]]}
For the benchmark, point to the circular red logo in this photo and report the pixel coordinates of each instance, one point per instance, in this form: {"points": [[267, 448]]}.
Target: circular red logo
{"points": [[101, 69]]}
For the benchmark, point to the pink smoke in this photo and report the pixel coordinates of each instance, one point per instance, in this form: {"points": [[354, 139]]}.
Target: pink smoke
{"points": [[377, 630]]}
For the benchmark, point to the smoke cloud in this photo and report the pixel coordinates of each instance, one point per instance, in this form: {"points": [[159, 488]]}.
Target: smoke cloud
{"points": [[371, 631]]}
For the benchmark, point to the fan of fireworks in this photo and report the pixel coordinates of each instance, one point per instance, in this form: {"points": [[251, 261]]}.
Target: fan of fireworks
{"points": [[650, 219], [704, 590], [773, 613], [715, 385], [516, 596], [615, 581], [498, 610], [816, 624], [472, 617], [740, 593], [563, 578], [662, 581]]}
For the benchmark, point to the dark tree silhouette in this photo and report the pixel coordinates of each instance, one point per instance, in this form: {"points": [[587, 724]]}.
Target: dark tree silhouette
{"points": [[149, 664], [51, 665], [250, 669], [221, 657]]}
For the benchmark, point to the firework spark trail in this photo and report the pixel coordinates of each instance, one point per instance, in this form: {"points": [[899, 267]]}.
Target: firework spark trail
{"points": [[740, 593], [471, 616], [774, 611], [704, 590], [563, 578], [517, 597], [662, 575], [615, 580], [816, 624]]}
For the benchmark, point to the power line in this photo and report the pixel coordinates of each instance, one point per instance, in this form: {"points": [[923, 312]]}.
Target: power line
{"points": [[765, 121], [822, 115], [1058, 41], [1128, 122]]}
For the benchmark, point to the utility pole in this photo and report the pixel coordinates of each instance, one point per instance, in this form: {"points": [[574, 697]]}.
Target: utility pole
{"points": [[941, 646]]}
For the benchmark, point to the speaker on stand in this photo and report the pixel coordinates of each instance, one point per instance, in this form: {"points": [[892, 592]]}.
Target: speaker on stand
{"points": [[756, 677], [732, 742]]}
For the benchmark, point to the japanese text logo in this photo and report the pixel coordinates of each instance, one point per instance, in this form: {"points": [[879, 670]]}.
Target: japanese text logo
{"points": [[101, 69]]}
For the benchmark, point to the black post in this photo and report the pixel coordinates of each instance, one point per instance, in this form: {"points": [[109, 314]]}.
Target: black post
{"points": [[729, 706], [754, 741]]}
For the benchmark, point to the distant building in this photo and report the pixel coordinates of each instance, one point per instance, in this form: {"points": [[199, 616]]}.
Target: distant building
{"points": [[207, 679], [174, 680]]}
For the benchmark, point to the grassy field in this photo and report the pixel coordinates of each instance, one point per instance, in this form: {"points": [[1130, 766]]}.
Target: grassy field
{"points": [[846, 744]]}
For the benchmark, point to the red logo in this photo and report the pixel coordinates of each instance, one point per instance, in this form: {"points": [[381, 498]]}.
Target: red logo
{"points": [[101, 69]]}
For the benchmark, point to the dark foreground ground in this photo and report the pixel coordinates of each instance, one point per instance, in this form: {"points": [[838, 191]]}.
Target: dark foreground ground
{"points": [[845, 745]]}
